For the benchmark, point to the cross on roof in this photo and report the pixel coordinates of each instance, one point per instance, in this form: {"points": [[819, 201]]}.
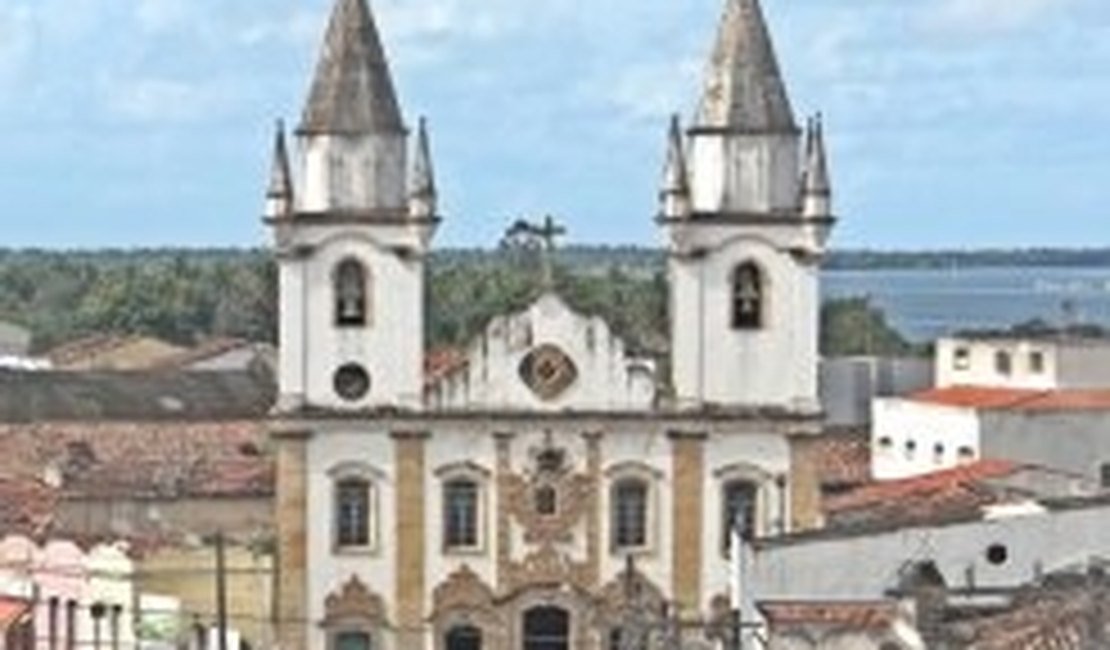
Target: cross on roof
{"points": [[544, 234]]}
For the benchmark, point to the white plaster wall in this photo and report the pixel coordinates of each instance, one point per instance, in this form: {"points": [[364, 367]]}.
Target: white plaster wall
{"points": [[734, 173], [444, 449], [830, 567], [654, 451], [390, 347], [761, 458], [715, 364], [329, 570], [608, 379], [352, 172], [981, 370], [905, 421]]}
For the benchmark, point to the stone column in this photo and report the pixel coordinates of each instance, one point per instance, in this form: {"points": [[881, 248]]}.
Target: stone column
{"points": [[292, 557], [410, 539], [593, 515], [688, 463], [504, 533]]}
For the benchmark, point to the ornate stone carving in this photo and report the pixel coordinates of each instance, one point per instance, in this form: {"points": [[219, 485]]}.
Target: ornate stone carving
{"points": [[463, 589], [550, 477], [354, 602], [546, 567], [548, 371], [630, 589]]}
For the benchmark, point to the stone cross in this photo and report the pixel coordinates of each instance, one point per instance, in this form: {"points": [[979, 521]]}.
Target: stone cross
{"points": [[545, 235]]}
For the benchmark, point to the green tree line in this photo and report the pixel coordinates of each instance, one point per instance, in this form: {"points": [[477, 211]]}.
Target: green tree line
{"points": [[185, 296]]}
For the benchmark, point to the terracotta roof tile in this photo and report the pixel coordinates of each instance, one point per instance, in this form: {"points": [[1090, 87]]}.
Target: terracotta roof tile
{"points": [[142, 459], [989, 398], [948, 495], [12, 610], [851, 614], [26, 506], [840, 458]]}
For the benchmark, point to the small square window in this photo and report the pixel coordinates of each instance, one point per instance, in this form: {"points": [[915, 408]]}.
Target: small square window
{"points": [[961, 358], [1036, 362], [1003, 363]]}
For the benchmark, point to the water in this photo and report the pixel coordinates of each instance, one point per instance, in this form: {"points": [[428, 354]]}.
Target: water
{"points": [[924, 304]]}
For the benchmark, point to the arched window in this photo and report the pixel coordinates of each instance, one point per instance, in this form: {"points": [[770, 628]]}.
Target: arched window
{"points": [[463, 637], [352, 513], [460, 513], [351, 294], [353, 641], [748, 299], [546, 628], [738, 499], [629, 506]]}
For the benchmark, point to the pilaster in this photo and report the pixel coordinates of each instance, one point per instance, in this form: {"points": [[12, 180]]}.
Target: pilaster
{"points": [[688, 462], [410, 536], [292, 567]]}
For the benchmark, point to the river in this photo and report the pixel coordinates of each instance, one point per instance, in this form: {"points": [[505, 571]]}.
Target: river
{"points": [[924, 304]]}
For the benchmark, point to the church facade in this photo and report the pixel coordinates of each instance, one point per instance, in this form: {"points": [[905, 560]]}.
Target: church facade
{"points": [[544, 483]]}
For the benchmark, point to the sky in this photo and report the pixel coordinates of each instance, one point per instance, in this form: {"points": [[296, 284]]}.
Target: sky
{"points": [[951, 123]]}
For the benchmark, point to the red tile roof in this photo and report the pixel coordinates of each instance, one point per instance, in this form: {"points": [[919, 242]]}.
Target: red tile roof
{"points": [[441, 362], [989, 398], [12, 610], [954, 494], [862, 615], [26, 506], [839, 459], [142, 460]]}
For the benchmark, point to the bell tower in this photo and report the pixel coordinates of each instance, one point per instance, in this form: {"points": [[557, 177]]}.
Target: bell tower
{"points": [[352, 227], [745, 209]]}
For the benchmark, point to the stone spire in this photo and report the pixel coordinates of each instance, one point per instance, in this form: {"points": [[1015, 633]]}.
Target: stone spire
{"points": [[675, 193], [279, 193], [744, 89], [816, 187], [423, 196], [352, 91]]}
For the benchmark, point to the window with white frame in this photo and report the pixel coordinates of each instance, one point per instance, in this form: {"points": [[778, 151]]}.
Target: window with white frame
{"points": [[629, 505], [739, 501], [353, 512], [461, 502]]}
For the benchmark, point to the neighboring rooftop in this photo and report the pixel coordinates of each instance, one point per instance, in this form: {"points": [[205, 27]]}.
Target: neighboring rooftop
{"points": [[987, 398], [961, 494], [37, 396], [860, 615], [26, 505], [139, 460]]}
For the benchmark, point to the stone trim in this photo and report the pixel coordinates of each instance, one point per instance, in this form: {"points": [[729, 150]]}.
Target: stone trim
{"points": [[410, 537], [292, 532], [688, 457]]}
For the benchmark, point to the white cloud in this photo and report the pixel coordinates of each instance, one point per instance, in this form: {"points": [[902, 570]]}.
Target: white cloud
{"points": [[155, 100], [647, 92], [989, 16]]}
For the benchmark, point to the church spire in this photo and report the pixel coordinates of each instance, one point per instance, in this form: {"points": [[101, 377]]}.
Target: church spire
{"points": [[423, 196], [675, 193], [352, 91], [744, 89], [817, 187], [279, 193]]}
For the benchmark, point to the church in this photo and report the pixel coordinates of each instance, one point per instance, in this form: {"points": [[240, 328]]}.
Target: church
{"points": [[546, 481]]}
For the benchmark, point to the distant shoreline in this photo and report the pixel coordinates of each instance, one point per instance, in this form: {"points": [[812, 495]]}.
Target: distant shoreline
{"points": [[642, 257]]}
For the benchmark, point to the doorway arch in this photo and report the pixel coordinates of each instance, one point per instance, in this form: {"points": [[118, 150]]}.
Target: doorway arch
{"points": [[546, 628]]}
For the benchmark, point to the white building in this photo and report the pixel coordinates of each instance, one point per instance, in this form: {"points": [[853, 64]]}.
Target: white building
{"points": [[495, 504], [1041, 362]]}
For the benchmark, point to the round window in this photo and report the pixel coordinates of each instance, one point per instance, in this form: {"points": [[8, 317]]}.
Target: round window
{"points": [[997, 554], [352, 382]]}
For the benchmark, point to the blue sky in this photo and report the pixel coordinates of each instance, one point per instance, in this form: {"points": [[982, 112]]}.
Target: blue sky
{"points": [[952, 123]]}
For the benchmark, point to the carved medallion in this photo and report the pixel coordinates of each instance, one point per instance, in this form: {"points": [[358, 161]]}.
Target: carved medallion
{"points": [[548, 371]]}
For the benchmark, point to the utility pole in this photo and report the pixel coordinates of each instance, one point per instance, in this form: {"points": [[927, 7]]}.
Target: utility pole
{"points": [[221, 593]]}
